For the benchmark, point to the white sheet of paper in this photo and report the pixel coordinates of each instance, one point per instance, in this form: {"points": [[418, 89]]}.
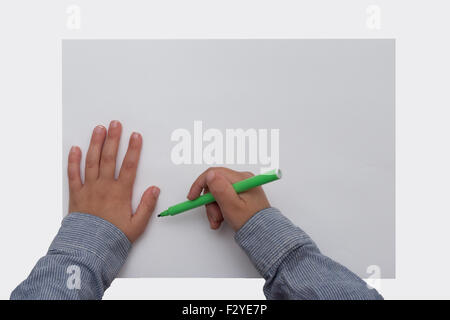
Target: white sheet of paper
{"points": [[332, 100]]}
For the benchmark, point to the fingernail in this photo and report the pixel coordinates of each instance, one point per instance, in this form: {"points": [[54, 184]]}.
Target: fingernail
{"points": [[155, 191], [114, 124], [72, 149], [99, 129], [135, 135], [210, 176]]}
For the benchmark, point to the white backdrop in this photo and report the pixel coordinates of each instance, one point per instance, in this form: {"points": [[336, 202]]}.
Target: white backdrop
{"points": [[30, 101], [334, 104]]}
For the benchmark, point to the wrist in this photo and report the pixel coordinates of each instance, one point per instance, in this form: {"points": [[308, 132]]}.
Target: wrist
{"points": [[268, 236], [242, 218]]}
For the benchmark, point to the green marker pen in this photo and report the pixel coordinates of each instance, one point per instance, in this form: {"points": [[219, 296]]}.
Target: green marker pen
{"points": [[239, 187]]}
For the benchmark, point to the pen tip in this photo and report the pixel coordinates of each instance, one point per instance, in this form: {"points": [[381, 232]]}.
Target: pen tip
{"points": [[159, 215]]}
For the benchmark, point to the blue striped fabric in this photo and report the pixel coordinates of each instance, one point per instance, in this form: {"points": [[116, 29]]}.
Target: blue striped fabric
{"points": [[93, 250], [95, 246], [292, 265]]}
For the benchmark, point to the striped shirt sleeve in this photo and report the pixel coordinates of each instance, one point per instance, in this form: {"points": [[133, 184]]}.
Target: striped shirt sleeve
{"points": [[82, 261], [292, 265]]}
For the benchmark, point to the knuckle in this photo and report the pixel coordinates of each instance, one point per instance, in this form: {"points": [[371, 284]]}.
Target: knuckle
{"points": [[248, 174], [72, 175], [91, 163], [214, 169], [108, 158], [196, 188], [127, 165]]}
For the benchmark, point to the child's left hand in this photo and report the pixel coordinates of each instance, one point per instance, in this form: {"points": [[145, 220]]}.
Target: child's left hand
{"points": [[102, 194]]}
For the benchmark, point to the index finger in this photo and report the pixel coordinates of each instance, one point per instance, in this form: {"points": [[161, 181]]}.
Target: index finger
{"points": [[200, 183]]}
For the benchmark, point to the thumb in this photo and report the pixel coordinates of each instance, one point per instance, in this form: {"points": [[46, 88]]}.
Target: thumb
{"points": [[222, 190], [145, 208]]}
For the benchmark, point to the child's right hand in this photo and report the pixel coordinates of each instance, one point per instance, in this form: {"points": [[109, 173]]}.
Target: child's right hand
{"points": [[235, 208]]}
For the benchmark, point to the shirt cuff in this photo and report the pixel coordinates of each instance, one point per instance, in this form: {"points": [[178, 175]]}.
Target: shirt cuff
{"points": [[85, 234], [269, 236]]}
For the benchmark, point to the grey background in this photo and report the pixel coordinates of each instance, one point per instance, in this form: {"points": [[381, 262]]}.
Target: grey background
{"points": [[333, 101]]}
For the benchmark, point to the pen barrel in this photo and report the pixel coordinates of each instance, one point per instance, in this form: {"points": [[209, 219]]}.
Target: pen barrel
{"points": [[191, 204], [257, 181], [239, 187]]}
